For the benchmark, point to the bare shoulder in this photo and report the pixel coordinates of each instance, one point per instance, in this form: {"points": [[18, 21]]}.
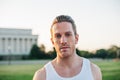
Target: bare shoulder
{"points": [[96, 71], [40, 74]]}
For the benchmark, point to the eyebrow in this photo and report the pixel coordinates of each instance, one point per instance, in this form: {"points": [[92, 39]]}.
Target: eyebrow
{"points": [[65, 32], [68, 32]]}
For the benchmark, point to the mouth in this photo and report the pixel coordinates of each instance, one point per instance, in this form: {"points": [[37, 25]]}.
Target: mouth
{"points": [[64, 48]]}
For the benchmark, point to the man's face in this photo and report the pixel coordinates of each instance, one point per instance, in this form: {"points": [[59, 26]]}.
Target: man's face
{"points": [[64, 39]]}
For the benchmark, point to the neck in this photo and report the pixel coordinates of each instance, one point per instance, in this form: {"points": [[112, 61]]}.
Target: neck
{"points": [[68, 61]]}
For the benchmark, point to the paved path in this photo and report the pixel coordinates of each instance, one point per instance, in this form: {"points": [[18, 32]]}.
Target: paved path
{"points": [[38, 61], [24, 62]]}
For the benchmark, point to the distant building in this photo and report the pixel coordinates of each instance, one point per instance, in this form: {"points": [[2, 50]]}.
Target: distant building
{"points": [[16, 41]]}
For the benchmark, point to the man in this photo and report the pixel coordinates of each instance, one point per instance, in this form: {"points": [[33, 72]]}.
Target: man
{"points": [[67, 65]]}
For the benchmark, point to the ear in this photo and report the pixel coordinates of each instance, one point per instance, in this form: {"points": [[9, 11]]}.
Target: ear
{"points": [[76, 38], [52, 40]]}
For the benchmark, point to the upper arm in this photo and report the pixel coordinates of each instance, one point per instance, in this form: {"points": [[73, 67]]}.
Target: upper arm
{"points": [[96, 72], [39, 75]]}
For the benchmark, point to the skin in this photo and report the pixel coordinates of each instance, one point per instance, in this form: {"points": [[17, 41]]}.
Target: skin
{"points": [[64, 41]]}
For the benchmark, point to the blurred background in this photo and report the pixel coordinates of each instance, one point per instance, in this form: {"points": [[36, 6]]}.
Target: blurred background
{"points": [[25, 34]]}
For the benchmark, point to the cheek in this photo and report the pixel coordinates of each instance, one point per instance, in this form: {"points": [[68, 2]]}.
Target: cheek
{"points": [[72, 41], [56, 43], [57, 47]]}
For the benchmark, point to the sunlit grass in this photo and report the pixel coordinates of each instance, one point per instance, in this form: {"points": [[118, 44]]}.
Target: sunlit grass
{"points": [[18, 72], [110, 70]]}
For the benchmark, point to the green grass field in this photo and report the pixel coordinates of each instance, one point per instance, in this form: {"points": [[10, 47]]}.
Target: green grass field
{"points": [[110, 70]]}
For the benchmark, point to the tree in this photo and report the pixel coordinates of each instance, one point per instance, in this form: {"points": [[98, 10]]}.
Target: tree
{"points": [[35, 52], [78, 52], [42, 48], [118, 53], [83, 53], [102, 53], [52, 53], [38, 52], [113, 52]]}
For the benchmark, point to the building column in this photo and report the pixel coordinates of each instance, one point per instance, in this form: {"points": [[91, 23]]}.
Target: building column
{"points": [[28, 45], [6, 46], [1, 45], [33, 41], [23, 45], [25, 42], [12, 45], [20, 45], [17, 45]]}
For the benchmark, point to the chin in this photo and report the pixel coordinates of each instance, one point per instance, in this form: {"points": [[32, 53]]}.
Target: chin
{"points": [[65, 55]]}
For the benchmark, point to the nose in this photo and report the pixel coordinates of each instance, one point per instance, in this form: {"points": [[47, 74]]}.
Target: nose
{"points": [[63, 40]]}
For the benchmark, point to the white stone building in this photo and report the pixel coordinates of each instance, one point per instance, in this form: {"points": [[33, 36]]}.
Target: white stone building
{"points": [[16, 41]]}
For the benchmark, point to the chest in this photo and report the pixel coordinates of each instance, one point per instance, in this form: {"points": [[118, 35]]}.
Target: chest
{"points": [[68, 72]]}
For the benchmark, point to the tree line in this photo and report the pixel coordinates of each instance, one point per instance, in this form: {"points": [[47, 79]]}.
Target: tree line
{"points": [[40, 53]]}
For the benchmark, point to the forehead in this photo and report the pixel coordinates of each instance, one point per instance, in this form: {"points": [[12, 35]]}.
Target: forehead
{"points": [[62, 27]]}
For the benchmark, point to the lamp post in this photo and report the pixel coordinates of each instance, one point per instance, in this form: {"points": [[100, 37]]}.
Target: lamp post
{"points": [[9, 55]]}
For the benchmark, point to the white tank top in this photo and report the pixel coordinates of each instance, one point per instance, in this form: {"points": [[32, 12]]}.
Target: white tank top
{"points": [[84, 74]]}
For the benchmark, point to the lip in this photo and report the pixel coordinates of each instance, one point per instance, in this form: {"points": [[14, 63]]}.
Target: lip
{"points": [[65, 47]]}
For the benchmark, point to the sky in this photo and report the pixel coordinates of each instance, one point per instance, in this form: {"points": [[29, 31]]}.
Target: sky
{"points": [[97, 21]]}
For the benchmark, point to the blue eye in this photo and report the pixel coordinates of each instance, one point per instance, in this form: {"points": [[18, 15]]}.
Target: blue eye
{"points": [[67, 34], [58, 36]]}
